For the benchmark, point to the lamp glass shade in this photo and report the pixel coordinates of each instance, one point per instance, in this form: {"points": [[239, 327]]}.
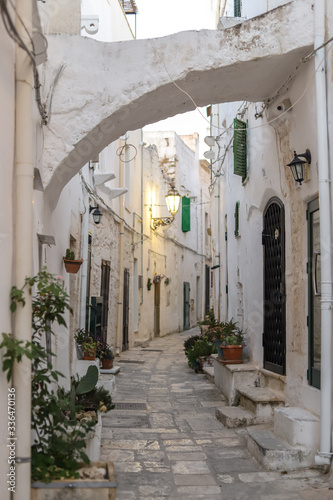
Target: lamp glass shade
{"points": [[297, 168], [97, 215], [173, 199]]}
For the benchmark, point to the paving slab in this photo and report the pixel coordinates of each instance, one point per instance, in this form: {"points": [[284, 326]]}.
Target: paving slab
{"points": [[175, 448]]}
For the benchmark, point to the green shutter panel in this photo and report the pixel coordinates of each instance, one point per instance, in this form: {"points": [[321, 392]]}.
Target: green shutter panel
{"points": [[186, 214], [237, 218], [240, 149], [237, 8]]}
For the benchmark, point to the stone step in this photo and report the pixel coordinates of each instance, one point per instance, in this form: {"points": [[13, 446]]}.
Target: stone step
{"points": [[260, 401], [273, 453], [234, 416], [298, 427]]}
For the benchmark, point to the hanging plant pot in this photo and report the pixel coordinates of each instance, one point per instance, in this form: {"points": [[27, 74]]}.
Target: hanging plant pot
{"points": [[107, 364], [72, 266], [232, 354]]}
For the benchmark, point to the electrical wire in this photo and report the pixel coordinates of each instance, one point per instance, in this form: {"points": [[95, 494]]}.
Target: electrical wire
{"points": [[266, 102], [122, 148], [12, 32]]}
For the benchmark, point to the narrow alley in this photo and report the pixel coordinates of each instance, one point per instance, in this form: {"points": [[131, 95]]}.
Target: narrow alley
{"points": [[168, 444]]}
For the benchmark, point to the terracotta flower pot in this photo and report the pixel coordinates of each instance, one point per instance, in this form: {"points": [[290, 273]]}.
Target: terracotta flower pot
{"points": [[232, 353], [72, 266], [90, 357], [107, 364]]}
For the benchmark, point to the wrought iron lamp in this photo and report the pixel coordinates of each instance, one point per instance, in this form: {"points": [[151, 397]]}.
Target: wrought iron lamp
{"points": [[297, 165], [97, 214], [172, 199]]}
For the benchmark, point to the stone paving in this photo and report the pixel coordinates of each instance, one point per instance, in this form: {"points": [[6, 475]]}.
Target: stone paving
{"points": [[175, 448]]}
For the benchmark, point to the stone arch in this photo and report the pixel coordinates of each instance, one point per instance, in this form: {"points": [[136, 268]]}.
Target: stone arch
{"points": [[107, 89]]}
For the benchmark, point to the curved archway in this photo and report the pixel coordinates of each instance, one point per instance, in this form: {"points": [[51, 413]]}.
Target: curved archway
{"points": [[123, 86]]}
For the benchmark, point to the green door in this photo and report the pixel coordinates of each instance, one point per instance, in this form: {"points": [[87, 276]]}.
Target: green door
{"points": [[314, 280]]}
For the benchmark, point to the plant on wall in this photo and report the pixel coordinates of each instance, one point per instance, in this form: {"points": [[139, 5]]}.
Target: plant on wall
{"points": [[58, 449], [149, 283]]}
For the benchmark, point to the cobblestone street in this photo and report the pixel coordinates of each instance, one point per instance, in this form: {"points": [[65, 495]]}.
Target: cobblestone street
{"points": [[171, 446]]}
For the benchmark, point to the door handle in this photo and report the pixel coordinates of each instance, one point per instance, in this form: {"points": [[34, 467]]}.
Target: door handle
{"points": [[314, 273]]}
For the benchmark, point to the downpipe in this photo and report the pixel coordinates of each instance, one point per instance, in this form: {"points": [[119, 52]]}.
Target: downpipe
{"points": [[324, 455]]}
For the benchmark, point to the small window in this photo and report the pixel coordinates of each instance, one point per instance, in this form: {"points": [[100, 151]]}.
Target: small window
{"points": [[240, 148], [237, 8], [237, 219]]}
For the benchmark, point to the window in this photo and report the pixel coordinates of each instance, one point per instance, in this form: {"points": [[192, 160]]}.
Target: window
{"points": [[237, 8], [240, 148], [186, 214], [236, 232]]}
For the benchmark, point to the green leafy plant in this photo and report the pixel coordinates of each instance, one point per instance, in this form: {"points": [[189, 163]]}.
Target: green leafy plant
{"points": [[190, 342], [231, 334], [89, 347], [58, 448], [209, 319], [149, 283], [202, 348], [104, 351], [81, 336]]}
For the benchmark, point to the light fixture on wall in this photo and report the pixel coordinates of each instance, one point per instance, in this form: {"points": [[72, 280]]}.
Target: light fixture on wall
{"points": [[97, 214], [172, 200], [297, 165]]}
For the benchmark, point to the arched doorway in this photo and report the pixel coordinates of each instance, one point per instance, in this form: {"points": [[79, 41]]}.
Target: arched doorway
{"points": [[273, 239]]}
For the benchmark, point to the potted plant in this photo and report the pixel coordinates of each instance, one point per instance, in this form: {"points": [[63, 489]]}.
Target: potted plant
{"points": [[200, 352], [232, 343], [105, 354], [208, 322], [71, 264], [89, 348]]}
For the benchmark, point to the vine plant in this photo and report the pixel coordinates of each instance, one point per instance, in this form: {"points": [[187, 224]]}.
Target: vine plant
{"points": [[58, 447]]}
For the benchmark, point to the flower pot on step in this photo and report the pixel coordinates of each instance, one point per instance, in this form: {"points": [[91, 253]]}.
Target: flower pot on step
{"points": [[107, 364], [232, 354]]}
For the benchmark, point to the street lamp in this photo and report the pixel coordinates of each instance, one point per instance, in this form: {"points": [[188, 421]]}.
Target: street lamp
{"points": [[173, 199], [297, 165], [97, 214]]}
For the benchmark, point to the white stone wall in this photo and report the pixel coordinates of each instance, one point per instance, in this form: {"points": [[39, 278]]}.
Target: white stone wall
{"points": [[271, 147]]}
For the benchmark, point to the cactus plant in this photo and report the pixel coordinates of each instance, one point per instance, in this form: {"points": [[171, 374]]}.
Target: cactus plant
{"points": [[88, 381]]}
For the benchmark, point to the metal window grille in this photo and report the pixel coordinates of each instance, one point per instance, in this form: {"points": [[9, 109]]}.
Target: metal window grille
{"points": [[240, 148]]}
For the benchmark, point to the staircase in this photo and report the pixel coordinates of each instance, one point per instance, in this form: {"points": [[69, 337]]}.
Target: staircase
{"points": [[279, 437]]}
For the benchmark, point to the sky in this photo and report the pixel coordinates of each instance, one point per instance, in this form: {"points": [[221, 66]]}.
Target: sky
{"points": [[163, 17]]}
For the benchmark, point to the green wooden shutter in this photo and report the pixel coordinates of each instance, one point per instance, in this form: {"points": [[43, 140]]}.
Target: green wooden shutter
{"points": [[186, 214], [237, 8], [237, 219], [240, 149]]}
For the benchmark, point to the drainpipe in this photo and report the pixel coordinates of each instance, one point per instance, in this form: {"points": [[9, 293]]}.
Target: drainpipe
{"points": [[324, 455], [120, 265], [84, 251], [24, 169]]}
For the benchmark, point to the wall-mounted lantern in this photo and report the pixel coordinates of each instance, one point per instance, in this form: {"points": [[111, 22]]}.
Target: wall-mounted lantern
{"points": [[297, 165], [97, 214], [172, 200]]}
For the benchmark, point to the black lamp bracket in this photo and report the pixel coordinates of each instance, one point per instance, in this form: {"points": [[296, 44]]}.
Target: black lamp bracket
{"points": [[306, 155]]}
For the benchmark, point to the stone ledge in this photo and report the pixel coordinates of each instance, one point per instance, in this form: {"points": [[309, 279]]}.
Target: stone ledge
{"points": [[234, 416]]}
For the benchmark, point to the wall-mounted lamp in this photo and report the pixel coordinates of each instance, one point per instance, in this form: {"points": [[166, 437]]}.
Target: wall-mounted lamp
{"points": [[172, 200], [97, 214], [297, 165]]}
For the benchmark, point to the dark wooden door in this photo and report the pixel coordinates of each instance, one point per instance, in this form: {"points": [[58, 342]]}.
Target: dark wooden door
{"points": [[273, 239], [186, 305], [125, 309], [105, 288], [207, 288], [157, 306], [314, 286]]}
